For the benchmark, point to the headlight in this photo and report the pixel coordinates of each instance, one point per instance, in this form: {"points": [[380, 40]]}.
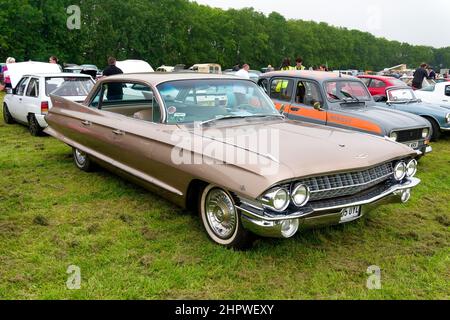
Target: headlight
{"points": [[425, 133], [300, 196], [400, 171], [394, 136], [411, 168], [277, 199], [447, 117], [289, 228]]}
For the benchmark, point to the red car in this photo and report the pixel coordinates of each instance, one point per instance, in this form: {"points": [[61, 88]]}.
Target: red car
{"points": [[377, 84]]}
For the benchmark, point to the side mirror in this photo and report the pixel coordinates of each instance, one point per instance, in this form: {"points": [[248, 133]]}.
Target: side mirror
{"points": [[9, 91], [282, 109], [318, 106]]}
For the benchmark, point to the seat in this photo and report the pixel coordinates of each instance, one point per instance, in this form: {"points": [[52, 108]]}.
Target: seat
{"points": [[146, 115]]}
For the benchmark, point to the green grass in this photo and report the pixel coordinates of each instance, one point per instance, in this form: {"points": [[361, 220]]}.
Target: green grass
{"points": [[131, 244]]}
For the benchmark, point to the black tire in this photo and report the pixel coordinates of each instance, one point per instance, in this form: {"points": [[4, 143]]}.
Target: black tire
{"points": [[436, 130], [236, 237], [82, 160], [33, 126], [7, 117]]}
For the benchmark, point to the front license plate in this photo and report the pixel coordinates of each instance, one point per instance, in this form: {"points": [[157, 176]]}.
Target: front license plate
{"points": [[413, 145], [350, 214]]}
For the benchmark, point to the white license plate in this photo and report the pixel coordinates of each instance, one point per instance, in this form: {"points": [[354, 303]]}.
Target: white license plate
{"points": [[413, 145], [350, 214]]}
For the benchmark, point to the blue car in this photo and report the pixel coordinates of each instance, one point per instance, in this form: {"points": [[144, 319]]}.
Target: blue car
{"points": [[404, 99]]}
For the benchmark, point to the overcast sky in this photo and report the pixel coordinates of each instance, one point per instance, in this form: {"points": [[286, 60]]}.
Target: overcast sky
{"points": [[413, 21]]}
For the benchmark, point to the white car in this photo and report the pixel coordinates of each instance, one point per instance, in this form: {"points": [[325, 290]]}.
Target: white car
{"points": [[29, 101], [438, 93]]}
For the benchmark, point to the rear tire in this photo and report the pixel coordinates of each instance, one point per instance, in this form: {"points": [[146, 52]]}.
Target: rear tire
{"points": [[222, 221], [34, 127], [7, 117], [82, 160]]}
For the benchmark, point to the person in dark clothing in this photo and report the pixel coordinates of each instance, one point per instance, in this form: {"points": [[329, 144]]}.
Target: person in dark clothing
{"points": [[431, 73], [115, 90], [419, 76]]}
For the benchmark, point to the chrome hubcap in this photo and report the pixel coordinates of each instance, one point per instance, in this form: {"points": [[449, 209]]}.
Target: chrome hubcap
{"points": [[221, 214], [80, 157]]}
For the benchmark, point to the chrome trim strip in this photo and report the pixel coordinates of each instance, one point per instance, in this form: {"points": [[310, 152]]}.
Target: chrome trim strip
{"points": [[136, 173], [272, 218]]}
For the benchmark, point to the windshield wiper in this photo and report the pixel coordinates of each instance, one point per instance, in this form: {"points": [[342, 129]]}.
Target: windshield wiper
{"points": [[349, 95], [239, 117]]}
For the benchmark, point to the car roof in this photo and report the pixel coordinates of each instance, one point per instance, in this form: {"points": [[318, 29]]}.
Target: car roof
{"points": [[310, 75], [155, 78], [387, 78], [57, 75]]}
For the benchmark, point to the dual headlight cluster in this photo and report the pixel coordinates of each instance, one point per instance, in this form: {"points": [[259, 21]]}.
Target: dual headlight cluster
{"points": [[279, 199], [425, 134], [403, 170]]}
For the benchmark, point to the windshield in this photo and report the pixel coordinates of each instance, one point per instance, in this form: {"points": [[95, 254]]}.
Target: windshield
{"points": [[401, 95], [191, 101], [68, 86], [346, 90]]}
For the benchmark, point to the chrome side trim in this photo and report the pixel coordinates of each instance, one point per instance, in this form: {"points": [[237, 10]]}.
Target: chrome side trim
{"points": [[273, 218], [114, 163]]}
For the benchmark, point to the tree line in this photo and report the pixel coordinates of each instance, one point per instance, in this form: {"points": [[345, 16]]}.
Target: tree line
{"points": [[181, 32]]}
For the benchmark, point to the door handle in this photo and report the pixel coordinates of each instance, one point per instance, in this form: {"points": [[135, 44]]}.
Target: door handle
{"points": [[86, 123], [118, 132], [294, 109]]}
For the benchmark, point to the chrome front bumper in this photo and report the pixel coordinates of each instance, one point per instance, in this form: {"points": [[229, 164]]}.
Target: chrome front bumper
{"points": [[270, 226]]}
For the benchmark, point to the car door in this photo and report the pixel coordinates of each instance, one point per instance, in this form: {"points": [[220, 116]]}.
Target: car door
{"points": [[281, 91], [15, 103], [30, 100], [307, 95]]}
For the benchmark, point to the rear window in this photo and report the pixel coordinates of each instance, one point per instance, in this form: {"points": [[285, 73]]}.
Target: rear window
{"points": [[68, 86]]}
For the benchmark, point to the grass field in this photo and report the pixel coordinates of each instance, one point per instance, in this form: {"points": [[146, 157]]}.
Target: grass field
{"points": [[131, 244]]}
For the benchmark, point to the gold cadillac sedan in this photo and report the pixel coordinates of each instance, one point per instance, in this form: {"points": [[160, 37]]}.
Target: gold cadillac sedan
{"points": [[217, 145]]}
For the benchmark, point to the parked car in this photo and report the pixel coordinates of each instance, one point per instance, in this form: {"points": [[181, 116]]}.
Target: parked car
{"points": [[164, 134], [409, 79], [344, 102], [134, 66], [164, 68], [253, 76], [377, 84], [88, 69], [207, 68], [29, 101], [438, 93], [404, 99]]}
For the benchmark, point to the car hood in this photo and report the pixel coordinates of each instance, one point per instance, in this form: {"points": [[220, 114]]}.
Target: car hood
{"points": [[298, 150], [425, 107], [386, 118]]}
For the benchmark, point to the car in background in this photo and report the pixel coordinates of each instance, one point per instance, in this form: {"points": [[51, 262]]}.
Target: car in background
{"points": [[134, 66], [343, 101], [409, 79], [164, 68], [254, 76], [438, 93], [29, 101], [88, 69], [213, 68], [404, 99], [168, 138], [377, 84]]}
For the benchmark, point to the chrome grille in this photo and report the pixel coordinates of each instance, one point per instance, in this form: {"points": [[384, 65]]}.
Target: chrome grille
{"points": [[345, 184], [409, 135]]}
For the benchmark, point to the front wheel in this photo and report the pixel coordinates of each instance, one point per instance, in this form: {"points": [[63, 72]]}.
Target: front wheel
{"points": [[221, 219], [436, 130], [82, 160], [7, 117]]}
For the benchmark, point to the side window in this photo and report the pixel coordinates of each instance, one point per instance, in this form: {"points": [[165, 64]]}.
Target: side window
{"points": [[366, 81], [33, 88], [21, 86], [377, 84], [281, 89], [263, 83], [308, 93], [447, 91]]}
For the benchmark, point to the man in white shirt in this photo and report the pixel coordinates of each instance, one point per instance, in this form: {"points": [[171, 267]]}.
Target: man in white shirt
{"points": [[243, 73]]}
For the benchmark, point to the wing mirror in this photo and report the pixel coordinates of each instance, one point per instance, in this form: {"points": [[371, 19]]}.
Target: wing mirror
{"points": [[9, 91], [318, 106]]}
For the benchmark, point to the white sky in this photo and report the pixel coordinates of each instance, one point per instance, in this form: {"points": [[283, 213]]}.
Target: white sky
{"points": [[413, 21]]}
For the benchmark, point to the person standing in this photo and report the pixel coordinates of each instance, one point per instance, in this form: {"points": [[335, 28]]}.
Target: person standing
{"points": [[419, 75], [115, 90], [431, 73], [111, 69], [54, 60], [6, 77], [286, 65], [243, 73], [299, 64]]}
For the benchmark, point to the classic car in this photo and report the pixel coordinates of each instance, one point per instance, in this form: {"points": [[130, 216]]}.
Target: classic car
{"points": [[377, 84], [133, 66], [404, 99], [207, 68], [342, 101], [163, 133], [438, 93], [29, 101]]}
